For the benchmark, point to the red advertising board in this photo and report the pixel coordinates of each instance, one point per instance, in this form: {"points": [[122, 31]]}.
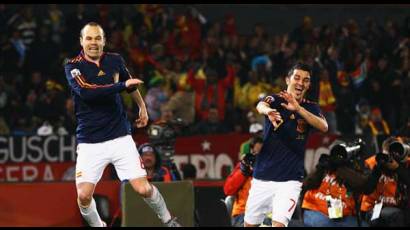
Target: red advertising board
{"points": [[212, 155], [52, 158], [41, 172]]}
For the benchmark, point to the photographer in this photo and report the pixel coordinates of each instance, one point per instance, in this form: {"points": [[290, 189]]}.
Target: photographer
{"points": [[238, 182], [153, 164], [387, 204], [331, 193], [162, 136]]}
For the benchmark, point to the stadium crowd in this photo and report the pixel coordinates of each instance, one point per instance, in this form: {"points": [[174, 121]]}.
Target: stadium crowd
{"points": [[203, 71]]}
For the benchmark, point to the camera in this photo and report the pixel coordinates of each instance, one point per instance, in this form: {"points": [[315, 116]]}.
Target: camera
{"points": [[163, 137], [249, 159], [347, 152], [399, 151], [247, 163]]}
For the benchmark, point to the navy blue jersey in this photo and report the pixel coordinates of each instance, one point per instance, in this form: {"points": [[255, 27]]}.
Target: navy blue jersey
{"points": [[98, 105], [282, 154]]}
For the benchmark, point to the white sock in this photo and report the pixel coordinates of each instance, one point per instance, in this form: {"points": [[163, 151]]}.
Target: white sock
{"points": [[157, 203], [90, 214]]}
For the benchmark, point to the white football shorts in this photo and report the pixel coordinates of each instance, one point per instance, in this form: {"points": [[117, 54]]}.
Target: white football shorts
{"points": [[92, 158], [280, 198]]}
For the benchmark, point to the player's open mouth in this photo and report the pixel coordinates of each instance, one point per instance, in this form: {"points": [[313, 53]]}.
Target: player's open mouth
{"points": [[298, 90]]}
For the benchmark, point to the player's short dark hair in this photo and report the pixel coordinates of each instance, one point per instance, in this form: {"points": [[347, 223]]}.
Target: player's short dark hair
{"points": [[301, 66], [91, 24]]}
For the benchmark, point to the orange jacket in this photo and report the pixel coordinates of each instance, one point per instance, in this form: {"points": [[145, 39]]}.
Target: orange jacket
{"points": [[315, 199], [386, 187], [238, 185], [161, 174]]}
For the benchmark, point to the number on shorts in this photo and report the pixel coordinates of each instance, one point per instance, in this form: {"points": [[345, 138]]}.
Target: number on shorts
{"points": [[293, 204]]}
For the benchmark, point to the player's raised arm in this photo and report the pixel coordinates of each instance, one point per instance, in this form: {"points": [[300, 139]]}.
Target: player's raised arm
{"points": [[317, 122]]}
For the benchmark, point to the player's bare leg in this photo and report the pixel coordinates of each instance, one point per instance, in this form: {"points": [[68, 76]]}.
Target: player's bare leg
{"points": [[250, 225], [154, 199], [86, 203], [277, 224]]}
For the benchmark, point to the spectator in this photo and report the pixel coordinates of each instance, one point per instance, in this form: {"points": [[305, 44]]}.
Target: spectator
{"points": [[376, 129], [238, 182], [331, 193], [44, 50], [255, 129], [211, 91], [251, 91], [28, 27], [189, 171], [182, 101], [327, 100], [16, 51], [155, 97], [69, 116], [391, 185], [153, 164], [212, 125], [55, 21]]}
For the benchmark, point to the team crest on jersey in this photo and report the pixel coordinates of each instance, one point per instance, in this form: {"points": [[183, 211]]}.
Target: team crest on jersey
{"points": [[269, 99], [301, 126], [75, 73]]}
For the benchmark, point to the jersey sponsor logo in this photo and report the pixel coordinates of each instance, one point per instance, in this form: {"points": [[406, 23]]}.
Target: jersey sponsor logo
{"points": [[292, 116], [75, 73], [269, 99]]}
